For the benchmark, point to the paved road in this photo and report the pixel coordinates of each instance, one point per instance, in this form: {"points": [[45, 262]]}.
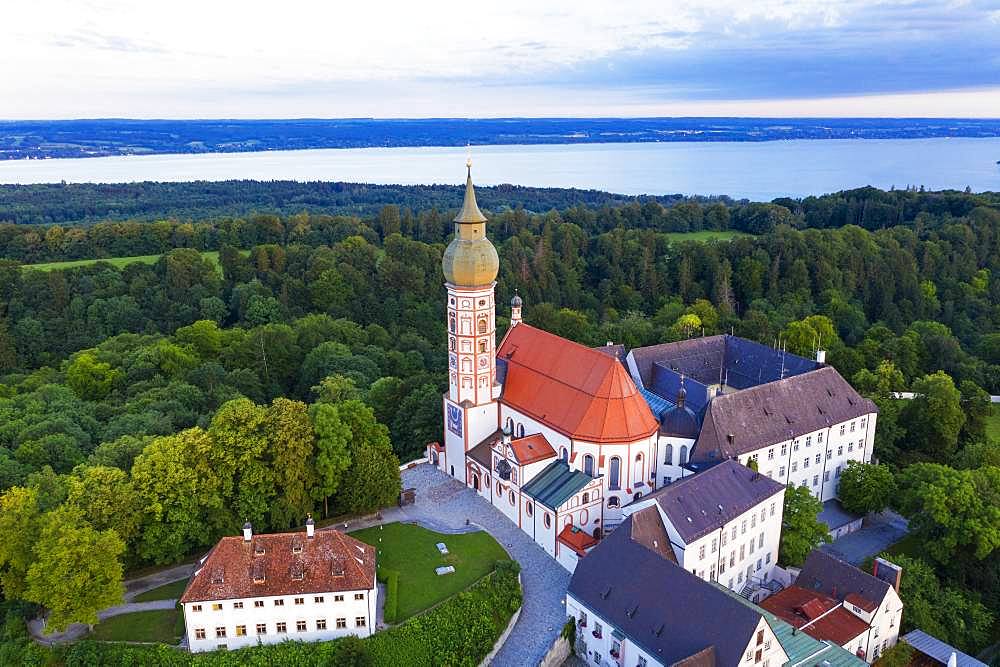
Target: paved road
{"points": [[445, 504], [880, 532]]}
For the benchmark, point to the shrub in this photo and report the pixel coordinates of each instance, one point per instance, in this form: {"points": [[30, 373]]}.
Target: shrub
{"points": [[391, 612]]}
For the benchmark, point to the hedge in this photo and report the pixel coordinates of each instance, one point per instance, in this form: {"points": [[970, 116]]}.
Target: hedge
{"points": [[391, 611]]}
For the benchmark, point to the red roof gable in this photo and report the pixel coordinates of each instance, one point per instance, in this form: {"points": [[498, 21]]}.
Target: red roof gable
{"points": [[818, 615], [860, 601], [571, 388], [576, 539], [531, 449]]}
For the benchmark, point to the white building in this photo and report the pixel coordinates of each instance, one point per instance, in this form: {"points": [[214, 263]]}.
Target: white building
{"points": [[723, 524], [834, 601], [310, 586], [634, 606]]}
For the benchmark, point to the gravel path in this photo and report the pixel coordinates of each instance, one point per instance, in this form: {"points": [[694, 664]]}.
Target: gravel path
{"points": [[880, 532], [445, 504]]}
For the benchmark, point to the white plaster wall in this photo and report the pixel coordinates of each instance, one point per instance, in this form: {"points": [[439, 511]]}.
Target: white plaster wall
{"points": [[290, 613]]}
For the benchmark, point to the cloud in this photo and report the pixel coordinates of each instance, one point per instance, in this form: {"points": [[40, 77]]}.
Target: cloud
{"points": [[114, 57]]}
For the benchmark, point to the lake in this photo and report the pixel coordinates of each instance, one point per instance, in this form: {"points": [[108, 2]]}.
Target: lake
{"points": [[760, 171]]}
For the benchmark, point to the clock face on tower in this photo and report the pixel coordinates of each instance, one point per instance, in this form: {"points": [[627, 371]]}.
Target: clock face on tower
{"points": [[454, 420]]}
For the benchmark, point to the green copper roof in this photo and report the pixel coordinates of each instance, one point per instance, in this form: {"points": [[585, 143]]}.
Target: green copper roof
{"points": [[556, 484], [802, 650]]}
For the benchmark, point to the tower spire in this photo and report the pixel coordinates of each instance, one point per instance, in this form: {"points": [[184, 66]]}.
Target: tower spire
{"points": [[470, 213]]}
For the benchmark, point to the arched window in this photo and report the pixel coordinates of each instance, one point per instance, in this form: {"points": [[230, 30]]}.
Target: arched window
{"points": [[613, 501], [637, 496], [499, 489], [564, 454], [482, 346], [520, 430], [451, 343], [684, 455], [513, 501], [584, 517], [509, 425], [548, 520], [639, 469], [451, 324], [482, 325], [586, 498], [528, 508], [588, 465], [513, 475], [614, 473], [668, 455], [486, 481]]}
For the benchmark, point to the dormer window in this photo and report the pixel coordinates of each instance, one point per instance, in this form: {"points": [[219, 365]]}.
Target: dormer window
{"points": [[258, 573], [297, 545], [259, 550]]}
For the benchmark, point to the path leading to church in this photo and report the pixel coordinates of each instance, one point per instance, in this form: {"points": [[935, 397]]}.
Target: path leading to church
{"points": [[445, 505]]}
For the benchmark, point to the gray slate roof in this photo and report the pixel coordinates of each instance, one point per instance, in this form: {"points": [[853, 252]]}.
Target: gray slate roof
{"points": [[838, 579], [706, 347], [641, 593], [937, 649], [777, 411], [692, 503]]}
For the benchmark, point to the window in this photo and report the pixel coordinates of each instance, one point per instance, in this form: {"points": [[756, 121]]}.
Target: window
{"points": [[819, 437], [300, 626], [199, 633], [805, 482], [668, 455], [829, 453], [642, 662], [739, 577], [723, 538], [743, 529], [770, 454], [826, 475], [300, 600], [220, 633], [760, 542], [840, 450], [588, 465], [809, 441], [318, 599], [734, 532], [701, 552], [279, 603], [795, 445], [529, 508], [196, 607], [321, 624], [805, 463], [842, 429], [341, 623], [482, 346], [795, 466], [781, 471], [838, 471], [614, 502], [360, 622], [237, 605], [715, 544], [815, 480], [684, 455], [564, 454], [547, 520], [258, 603], [614, 471], [722, 566], [482, 325], [818, 458], [261, 628], [862, 423], [772, 509], [520, 430], [281, 628], [359, 596], [338, 598], [732, 559], [667, 480], [753, 520], [852, 427], [763, 514], [241, 631], [767, 557], [850, 447], [759, 564], [216, 606], [784, 448], [512, 498], [742, 551]]}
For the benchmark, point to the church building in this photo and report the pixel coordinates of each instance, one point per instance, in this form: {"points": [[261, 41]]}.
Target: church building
{"points": [[561, 438]]}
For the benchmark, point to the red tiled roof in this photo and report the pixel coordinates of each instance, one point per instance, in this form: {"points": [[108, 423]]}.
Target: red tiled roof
{"points": [[818, 615], [576, 539], [575, 390], [531, 448], [330, 561], [861, 601]]}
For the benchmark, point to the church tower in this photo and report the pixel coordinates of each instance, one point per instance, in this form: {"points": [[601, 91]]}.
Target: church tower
{"points": [[470, 266]]}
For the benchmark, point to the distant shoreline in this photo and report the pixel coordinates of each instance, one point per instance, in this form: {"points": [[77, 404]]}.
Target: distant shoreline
{"points": [[62, 139]]}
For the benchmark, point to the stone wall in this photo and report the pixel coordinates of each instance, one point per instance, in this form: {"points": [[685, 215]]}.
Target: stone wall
{"points": [[557, 654]]}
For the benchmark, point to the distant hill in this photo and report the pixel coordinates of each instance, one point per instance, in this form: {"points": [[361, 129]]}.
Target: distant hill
{"points": [[103, 137]]}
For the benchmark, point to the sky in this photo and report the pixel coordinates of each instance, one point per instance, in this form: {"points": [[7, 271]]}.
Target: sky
{"points": [[410, 59]]}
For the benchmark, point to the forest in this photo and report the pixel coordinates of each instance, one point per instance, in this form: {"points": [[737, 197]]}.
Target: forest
{"points": [[124, 390]]}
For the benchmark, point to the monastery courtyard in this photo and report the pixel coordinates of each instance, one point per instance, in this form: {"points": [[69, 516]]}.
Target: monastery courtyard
{"points": [[445, 505]]}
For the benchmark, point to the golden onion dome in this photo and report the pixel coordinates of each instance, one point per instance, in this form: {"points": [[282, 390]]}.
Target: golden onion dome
{"points": [[470, 260]]}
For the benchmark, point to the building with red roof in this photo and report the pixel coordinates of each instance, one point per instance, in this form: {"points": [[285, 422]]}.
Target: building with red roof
{"points": [[305, 586]]}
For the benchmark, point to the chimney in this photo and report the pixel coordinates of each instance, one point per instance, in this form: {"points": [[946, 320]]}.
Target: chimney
{"points": [[310, 527], [888, 572], [247, 531], [820, 356]]}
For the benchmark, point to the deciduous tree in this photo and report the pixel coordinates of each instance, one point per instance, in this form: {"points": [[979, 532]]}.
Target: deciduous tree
{"points": [[801, 531]]}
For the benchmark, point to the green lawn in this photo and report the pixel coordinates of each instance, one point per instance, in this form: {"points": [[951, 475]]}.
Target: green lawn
{"points": [[410, 551], [117, 262], [993, 425], [163, 625], [165, 592], [705, 235]]}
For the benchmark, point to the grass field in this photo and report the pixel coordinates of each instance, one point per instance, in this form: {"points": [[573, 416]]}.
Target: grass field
{"points": [[705, 235], [993, 425], [164, 625], [117, 262], [410, 551], [165, 592]]}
